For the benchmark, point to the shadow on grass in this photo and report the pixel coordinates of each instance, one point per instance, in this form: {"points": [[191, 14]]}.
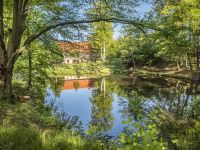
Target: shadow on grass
{"points": [[30, 126]]}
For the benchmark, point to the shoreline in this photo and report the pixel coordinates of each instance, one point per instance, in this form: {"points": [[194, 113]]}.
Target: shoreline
{"points": [[175, 75]]}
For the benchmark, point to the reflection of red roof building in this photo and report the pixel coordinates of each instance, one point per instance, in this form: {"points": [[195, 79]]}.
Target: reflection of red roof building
{"points": [[78, 84]]}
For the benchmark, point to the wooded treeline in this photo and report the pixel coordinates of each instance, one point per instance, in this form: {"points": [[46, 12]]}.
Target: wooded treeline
{"points": [[29, 28]]}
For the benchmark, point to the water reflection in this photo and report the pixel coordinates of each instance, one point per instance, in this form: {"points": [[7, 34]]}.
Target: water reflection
{"points": [[108, 105], [101, 115]]}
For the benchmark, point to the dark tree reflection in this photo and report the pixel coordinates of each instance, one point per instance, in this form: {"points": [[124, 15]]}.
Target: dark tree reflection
{"points": [[102, 119], [56, 85], [174, 106], [155, 109]]}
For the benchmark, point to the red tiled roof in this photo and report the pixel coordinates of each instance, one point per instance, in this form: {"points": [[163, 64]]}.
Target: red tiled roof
{"points": [[76, 46]]}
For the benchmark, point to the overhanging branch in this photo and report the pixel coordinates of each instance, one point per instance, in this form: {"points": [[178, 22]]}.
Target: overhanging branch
{"points": [[140, 26], [65, 23]]}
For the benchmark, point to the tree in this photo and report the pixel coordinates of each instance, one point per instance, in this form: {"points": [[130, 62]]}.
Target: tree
{"points": [[101, 35], [101, 38], [15, 19], [58, 18], [136, 49], [174, 38], [14, 23], [181, 20]]}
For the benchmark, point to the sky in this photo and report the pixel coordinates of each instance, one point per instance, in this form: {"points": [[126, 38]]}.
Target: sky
{"points": [[142, 9]]}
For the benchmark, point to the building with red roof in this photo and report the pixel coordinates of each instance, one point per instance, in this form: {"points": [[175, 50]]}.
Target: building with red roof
{"points": [[75, 52]]}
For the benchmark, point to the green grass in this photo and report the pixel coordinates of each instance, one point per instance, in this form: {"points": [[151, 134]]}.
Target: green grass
{"points": [[29, 138], [31, 126]]}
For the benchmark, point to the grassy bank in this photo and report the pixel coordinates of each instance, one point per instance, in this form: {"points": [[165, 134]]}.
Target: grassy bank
{"points": [[31, 126], [170, 71], [183, 74], [91, 69]]}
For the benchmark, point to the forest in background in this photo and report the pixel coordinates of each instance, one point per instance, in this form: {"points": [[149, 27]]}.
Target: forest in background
{"points": [[167, 35], [166, 38]]}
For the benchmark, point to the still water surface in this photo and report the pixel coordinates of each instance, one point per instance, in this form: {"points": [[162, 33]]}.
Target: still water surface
{"points": [[104, 105]]}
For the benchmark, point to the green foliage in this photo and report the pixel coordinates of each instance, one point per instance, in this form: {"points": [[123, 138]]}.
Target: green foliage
{"points": [[32, 126], [135, 50], [90, 69], [41, 60], [143, 138], [101, 35], [174, 37], [29, 138], [102, 119]]}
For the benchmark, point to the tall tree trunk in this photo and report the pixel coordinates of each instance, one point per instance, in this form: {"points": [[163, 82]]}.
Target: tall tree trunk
{"points": [[101, 51], [8, 83], [134, 64], [104, 51], [186, 62], [30, 67], [178, 66], [7, 75], [13, 50], [103, 87], [190, 63], [197, 59]]}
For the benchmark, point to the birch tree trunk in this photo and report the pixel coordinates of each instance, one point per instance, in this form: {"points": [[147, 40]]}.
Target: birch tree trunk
{"points": [[104, 51]]}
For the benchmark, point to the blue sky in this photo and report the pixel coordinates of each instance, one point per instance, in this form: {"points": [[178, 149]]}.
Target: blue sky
{"points": [[142, 9]]}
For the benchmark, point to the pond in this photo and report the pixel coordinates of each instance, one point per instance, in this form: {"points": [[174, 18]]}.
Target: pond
{"points": [[109, 105]]}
